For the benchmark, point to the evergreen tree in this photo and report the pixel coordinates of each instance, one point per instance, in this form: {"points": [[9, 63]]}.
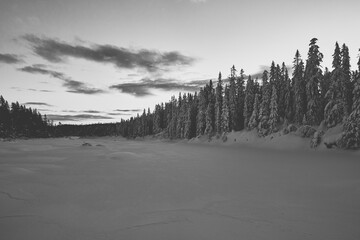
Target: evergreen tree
{"points": [[351, 135], [233, 99], [282, 89], [313, 75], [218, 104], [201, 116], [254, 119], [240, 99], [5, 118], [289, 99], [249, 101], [325, 86], [225, 127], [299, 89], [274, 116], [347, 85], [334, 109], [264, 112]]}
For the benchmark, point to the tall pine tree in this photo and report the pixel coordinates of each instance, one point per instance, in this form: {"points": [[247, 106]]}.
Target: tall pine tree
{"points": [[274, 115], [299, 89], [218, 104], [313, 76]]}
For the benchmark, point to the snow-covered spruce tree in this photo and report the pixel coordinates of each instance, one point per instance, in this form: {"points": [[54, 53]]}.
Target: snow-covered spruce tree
{"points": [[347, 85], [313, 75], [274, 116], [324, 87], [282, 90], [254, 119], [233, 99], [201, 116], [249, 101], [190, 125], [289, 100], [240, 99], [190, 119], [210, 111], [334, 109], [209, 126], [351, 135], [225, 123], [218, 104], [157, 119], [299, 89], [264, 111], [179, 119]]}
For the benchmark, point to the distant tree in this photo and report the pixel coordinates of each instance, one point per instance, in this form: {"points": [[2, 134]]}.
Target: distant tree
{"points": [[254, 119], [218, 104], [334, 109], [264, 111], [347, 85], [240, 99], [201, 116], [300, 103], [225, 127], [274, 116], [313, 76], [249, 101], [351, 135], [233, 99]]}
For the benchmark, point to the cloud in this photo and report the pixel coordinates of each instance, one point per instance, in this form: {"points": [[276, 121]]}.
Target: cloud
{"points": [[72, 85], [36, 90], [92, 111], [128, 110], [10, 58], [55, 50], [38, 104], [143, 87], [76, 117], [119, 114]]}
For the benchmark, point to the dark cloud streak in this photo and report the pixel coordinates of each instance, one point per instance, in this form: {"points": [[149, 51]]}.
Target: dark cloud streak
{"points": [[128, 110], [55, 50], [38, 104], [10, 58], [142, 88], [72, 85], [76, 117]]}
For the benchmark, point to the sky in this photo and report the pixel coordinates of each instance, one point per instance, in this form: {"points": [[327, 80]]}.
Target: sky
{"points": [[90, 61]]}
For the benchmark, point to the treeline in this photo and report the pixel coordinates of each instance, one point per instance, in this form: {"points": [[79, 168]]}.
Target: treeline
{"points": [[308, 97], [87, 130], [19, 121]]}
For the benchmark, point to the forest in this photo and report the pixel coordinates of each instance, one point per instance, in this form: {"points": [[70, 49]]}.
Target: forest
{"points": [[310, 97]]}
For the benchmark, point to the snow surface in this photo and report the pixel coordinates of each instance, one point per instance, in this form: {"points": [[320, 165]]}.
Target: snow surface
{"points": [[112, 188]]}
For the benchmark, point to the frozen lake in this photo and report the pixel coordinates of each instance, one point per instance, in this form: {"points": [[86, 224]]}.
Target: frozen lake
{"points": [[118, 189]]}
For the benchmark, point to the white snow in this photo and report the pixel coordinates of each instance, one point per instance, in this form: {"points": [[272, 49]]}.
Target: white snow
{"points": [[119, 189]]}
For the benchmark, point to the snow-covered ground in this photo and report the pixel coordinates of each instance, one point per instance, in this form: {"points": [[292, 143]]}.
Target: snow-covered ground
{"points": [[118, 189]]}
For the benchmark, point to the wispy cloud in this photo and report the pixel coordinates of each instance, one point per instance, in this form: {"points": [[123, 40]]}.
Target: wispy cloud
{"points": [[128, 110], [39, 90], [143, 87], [72, 85], [38, 104], [55, 50], [76, 117], [119, 114], [10, 58]]}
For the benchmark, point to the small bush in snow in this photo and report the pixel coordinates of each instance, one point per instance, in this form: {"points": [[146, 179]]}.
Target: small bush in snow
{"points": [[316, 140], [306, 131]]}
